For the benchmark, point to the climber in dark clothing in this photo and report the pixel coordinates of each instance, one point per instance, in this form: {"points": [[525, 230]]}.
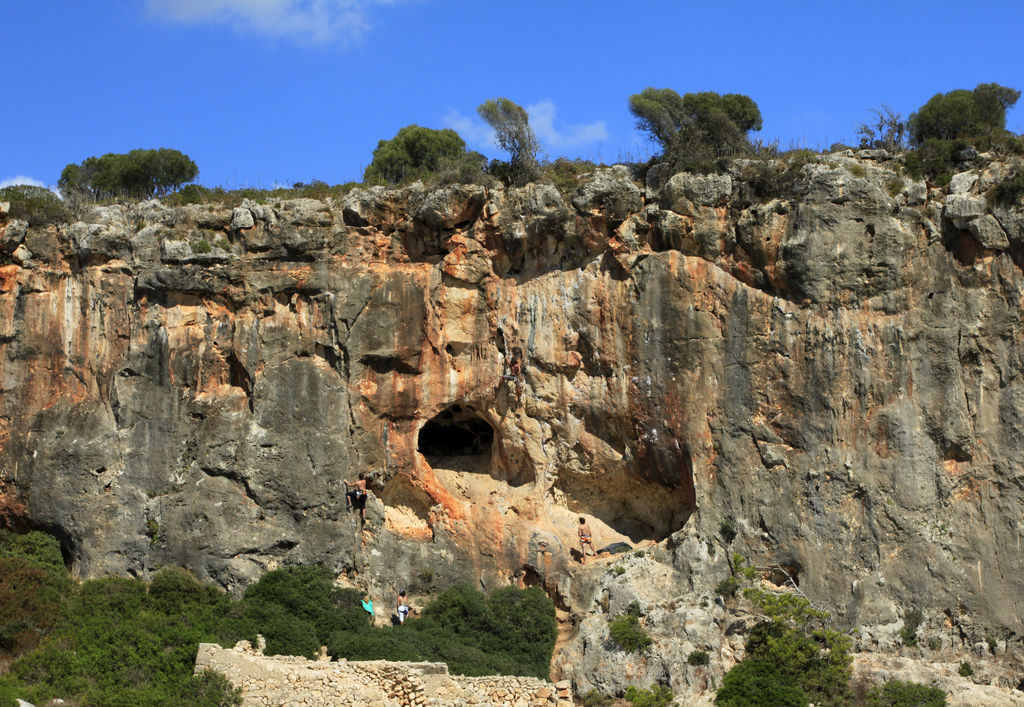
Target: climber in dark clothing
{"points": [[355, 496]]}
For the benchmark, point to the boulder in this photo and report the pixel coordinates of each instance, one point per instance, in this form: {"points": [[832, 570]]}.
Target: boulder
{"points": [[702, 189]]}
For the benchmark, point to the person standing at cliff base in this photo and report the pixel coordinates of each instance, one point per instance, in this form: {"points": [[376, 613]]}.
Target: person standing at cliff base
{"points": [[402, 607], [355, 496], [585, 535]]}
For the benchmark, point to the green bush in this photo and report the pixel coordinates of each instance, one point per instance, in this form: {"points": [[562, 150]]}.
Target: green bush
{"points": [[211, 689], [935, 160], [565, 173], [33, 584], [754, 683], [36, 205], [727, 530], [657, 696], [115, 642], [965, 670], [416, 152], [1009, 191], [962, 114], [591, 699], [139, 174], [627, 632], [769, 179], [911, 622], [119, 644], [297, 609], [698, 658], [818, 662], [906, 694], [509, 632], [697, 131], [198, 194], [727, 587]]}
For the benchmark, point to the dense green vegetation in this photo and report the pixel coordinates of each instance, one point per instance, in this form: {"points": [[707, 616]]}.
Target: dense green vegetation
{"points": [[793, 659], [703, 131], [896, 693], [139, 174], [697, 131], [420, 153], [963, 115], [911, 622], [36, 205], [626, 630], [114, 642]]}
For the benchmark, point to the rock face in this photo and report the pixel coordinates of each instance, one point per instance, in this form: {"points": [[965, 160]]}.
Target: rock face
{"points": [[834, 374]]}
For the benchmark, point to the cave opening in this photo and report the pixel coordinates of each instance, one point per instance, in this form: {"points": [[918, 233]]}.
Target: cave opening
{"points": [[645, 502], [455, 432]]}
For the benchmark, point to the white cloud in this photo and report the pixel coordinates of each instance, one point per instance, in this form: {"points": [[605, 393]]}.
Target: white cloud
{"points": [[474, 131], [21, 179], [542, 119], [316, 21]]}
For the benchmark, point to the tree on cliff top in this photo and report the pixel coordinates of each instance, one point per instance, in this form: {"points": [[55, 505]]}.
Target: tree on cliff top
{"points": [[963, 114], [697, 131], [139, 174], [511, 124], [416, 152]]}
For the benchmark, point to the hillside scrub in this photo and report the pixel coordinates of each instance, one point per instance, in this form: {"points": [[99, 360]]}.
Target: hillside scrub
{"points": [[509, 632], [790, 656], [112, 642], [36, 205]]}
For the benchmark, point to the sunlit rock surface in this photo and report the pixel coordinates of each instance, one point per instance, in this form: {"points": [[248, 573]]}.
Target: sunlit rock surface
{"points": [[834, 373]]}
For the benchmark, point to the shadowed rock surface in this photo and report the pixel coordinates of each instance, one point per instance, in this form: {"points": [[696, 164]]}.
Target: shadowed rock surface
{"points": [[835, 373]]}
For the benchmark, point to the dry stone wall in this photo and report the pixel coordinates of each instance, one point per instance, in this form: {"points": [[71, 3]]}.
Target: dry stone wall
{"points": [[286, 680]]}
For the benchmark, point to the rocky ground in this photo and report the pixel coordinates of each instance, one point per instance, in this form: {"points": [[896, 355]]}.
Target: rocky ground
{"points": [[830, 372]]}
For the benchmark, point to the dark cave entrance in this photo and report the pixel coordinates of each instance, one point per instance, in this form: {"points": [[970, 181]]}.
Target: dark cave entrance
{"points": [[457, 438]]}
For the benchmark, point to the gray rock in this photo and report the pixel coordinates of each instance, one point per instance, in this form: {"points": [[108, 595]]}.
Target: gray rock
{"points": [[610, 191], [961, 208], [21, 255], [702, 189], [963, 182], [241, 218], [988, 232], [13, 234], [836, 377]]}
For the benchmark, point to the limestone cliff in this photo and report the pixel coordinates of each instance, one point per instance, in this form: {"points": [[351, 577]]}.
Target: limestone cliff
{"points": [[835, 375]]}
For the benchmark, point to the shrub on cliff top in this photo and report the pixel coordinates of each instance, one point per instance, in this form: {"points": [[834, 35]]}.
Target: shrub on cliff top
{"points": [[416, 152], [962, 114], [138, 174], [36, 205], [697, 131], [512, 133]]}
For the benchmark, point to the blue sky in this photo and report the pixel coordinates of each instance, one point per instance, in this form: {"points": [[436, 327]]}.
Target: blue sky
{"points": [[265, 92]]}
